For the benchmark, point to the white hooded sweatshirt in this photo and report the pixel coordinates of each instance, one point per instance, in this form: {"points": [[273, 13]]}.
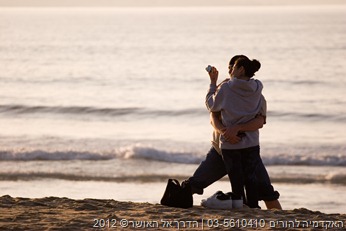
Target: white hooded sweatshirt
{"points": [[239, 101]]}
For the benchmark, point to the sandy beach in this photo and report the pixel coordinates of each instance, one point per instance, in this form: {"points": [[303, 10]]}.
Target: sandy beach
{"points": [[54, 213]]}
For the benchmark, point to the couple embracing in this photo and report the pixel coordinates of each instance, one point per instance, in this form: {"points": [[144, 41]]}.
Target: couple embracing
{"points": [[237, 111]]}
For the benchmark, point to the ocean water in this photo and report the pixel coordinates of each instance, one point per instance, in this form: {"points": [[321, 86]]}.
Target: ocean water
{"points": [[109, 102]]}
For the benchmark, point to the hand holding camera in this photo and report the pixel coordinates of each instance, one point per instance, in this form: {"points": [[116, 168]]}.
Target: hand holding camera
{"points": [[208, 68], [213, 74]]}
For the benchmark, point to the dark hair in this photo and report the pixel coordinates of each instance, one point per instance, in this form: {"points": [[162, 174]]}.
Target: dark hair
{"points": [[235, 58], [250, 66]]}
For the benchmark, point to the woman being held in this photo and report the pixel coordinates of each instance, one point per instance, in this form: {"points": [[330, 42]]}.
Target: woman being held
{"points": [[239, 100]]}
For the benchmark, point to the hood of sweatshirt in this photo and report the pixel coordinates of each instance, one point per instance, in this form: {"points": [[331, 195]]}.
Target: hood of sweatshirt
{"points": [[245, 88]]}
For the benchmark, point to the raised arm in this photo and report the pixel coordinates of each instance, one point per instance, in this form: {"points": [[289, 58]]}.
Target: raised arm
{"points": [[214, 96]]}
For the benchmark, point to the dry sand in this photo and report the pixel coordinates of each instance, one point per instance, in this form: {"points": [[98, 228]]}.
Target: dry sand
{"points": [[54, 213]]}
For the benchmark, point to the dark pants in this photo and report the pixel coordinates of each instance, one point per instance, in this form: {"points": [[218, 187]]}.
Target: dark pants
{"points": [[213, 169], [241, 167]]}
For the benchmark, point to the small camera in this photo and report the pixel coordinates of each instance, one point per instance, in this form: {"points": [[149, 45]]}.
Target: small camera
{"points": [[208, 68]]}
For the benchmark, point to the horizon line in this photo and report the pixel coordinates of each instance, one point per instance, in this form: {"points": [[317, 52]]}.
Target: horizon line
{"points": [[163, 3]]}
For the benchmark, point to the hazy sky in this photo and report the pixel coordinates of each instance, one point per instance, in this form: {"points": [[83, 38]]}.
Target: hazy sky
{"points": [[163, 2]]}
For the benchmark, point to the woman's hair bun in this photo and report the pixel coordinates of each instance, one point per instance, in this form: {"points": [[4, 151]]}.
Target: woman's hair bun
{"points": [[256, 65]]}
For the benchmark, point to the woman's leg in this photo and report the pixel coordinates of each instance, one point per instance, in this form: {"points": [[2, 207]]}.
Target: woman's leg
{"points": [[250, 163], [232, 161]]}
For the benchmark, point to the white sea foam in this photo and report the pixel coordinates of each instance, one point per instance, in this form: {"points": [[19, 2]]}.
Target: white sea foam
{"points": [[148, 152], [139, 151]]}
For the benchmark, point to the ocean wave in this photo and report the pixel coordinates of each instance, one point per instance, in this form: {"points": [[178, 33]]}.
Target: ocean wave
{"points": [[335, 178], [150, 153], [305, 160], [128, 152], [106, 112], [29, 176], [42, 155], [96, 111], [147, 152], [296, 82], [78, 110], [308, 116]]}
